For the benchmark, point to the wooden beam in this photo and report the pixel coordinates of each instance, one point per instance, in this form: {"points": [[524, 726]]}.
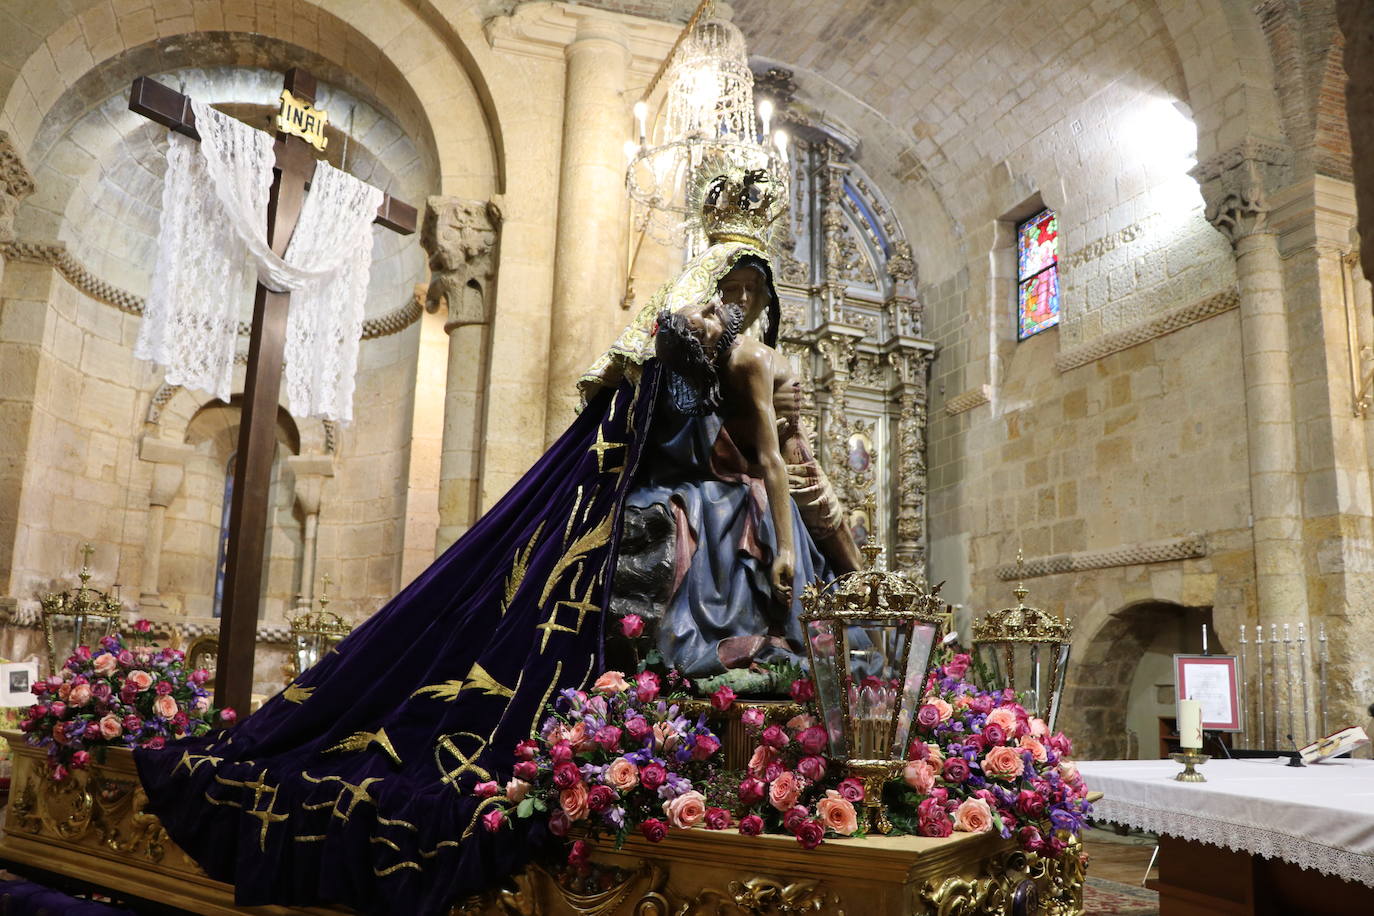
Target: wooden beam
{"points": [[172, 110]]}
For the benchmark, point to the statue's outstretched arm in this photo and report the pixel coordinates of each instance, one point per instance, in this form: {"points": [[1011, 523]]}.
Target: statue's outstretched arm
{"points": [[756, 374]]}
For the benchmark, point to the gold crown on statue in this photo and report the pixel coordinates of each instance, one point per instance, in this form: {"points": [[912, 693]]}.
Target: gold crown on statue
{"points": [[738, 202]]}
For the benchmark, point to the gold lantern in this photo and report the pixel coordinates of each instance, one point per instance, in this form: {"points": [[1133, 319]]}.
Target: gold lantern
{"points": [[314, 633], [1027, 650], [870, 635], [88, 614]]}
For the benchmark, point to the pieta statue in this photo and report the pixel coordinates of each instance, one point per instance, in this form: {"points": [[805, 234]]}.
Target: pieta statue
{"points": [[683, 493]]}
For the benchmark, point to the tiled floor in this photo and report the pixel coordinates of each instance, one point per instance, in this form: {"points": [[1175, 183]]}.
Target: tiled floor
{"points": [[1118, 858]]}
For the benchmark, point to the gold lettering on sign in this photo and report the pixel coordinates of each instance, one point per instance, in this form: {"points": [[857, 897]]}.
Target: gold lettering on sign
{"points": [[301, 119]]}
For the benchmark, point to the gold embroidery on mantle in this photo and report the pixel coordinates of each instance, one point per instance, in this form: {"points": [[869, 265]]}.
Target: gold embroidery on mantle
{"points": [[518, 569], [294, 693], [477, 679], [361, 740]]}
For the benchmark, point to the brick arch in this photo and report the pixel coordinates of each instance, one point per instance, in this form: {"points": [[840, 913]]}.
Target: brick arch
{"points": [[1100, 674], [415, 68]]}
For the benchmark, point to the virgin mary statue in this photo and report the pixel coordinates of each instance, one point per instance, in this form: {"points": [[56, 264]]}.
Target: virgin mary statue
{"points": [[355, 784]]}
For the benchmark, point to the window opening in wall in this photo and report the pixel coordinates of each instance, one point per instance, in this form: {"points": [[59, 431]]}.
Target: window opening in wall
{"points": [[1037, 274], [222, 555]]}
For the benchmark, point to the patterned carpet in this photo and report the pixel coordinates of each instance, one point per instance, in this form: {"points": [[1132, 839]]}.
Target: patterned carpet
{"points": [[1110, 898]]}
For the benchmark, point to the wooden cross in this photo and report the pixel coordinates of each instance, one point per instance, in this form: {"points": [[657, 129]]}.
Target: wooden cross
{"points": [[295, 165]]}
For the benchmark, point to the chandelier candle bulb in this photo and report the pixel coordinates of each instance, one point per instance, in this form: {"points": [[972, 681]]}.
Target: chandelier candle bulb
{"points": [[641, 118], [780, 141], [765, 115], [1190, 724]]}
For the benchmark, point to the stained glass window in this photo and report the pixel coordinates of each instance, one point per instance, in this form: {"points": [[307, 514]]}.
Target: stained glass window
{"points": [[1037, 274]]}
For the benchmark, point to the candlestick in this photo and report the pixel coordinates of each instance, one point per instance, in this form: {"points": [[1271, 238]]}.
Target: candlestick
{"points": [[1190, 724]]}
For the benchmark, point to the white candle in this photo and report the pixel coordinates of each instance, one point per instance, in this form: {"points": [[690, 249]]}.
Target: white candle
{"points": [[1204, 639], [1190, 724]]}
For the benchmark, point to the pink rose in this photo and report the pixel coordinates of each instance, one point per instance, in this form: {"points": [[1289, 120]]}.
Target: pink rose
{"points": [[783, 792], [599, 798], [527, 750], [526, 770], [559, 825], [1038, 728], [612, 682], [566, 775], [794, 818], [58, 709], [574, 802], [773, 736], [916, 750], [1068, 771], [1030, 804], [140, 679], [852, 790], [704, 746], [654, 830], [1038, 752], [80, 759], [580, 853], [561, 752], [80, 695], [722, 698], [165, 706], [486, 789], [955, 770], [973, 816], [751, 791], [608, 736], [132, 724], [632, 626], [810, 834], [773, 770], [59, 773], [801, 722], [1004, 763], [687, 810], [493, 820], [920, 776], [993, 734], [837, 813], [199, 676], [928, 716], [142, 625], [717, 819], [812, 768], [802, 690], [110, 727], [958, 665], [1030, 839], [646, 686], [516, 790], [105, 664], [943, 708], [752, 718], [751, 825], [813, 740], [622, 775], [1003, 718], [638, 729], [758, 763], [652, 775]]}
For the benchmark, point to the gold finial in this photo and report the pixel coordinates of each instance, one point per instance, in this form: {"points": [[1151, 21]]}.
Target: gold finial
{"points": [[324, 591], [871, 551], [1020, 591], [85, 574]]}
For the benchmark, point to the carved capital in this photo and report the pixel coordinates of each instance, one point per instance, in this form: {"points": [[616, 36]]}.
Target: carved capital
{"points": [[901, 267], [460, 238], [169, 467], [1236, 185], [310, 472], [15, 184]]}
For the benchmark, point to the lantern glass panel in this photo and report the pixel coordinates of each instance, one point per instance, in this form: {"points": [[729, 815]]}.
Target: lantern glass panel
{"points": [[1059, 676], [886, 665], [310, 648], [991, 656], [913, 684], [826, 675]]}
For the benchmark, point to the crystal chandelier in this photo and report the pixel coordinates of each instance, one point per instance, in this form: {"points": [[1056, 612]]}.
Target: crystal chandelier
{"points": [[708, 111]]}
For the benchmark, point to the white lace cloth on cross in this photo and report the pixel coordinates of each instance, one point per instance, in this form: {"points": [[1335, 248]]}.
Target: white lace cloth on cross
{"points": [[212, 247], [1319, 817]]}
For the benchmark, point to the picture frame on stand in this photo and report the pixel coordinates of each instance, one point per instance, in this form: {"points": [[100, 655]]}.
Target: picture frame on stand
{"points": [[1214, 681]]}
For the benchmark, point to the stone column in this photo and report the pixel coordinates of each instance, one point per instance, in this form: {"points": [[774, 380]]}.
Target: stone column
{"points": [[1235, 186], [309, 472], [460, 238], [23, 306], [169, 468], [589, 256]]}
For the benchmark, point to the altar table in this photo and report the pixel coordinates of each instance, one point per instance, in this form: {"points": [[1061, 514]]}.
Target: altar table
{"points": [[1258, 837]]}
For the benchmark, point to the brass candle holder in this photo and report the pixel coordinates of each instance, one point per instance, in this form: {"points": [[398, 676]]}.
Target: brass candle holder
{"points": [[1189, 759]]}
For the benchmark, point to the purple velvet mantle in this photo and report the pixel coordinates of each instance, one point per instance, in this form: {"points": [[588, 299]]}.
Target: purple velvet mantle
{"points": [[354, 785]]}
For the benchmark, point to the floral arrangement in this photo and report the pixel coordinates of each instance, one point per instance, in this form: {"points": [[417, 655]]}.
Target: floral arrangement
{"points": [[118, 695], [625, 758], [979, 763]]}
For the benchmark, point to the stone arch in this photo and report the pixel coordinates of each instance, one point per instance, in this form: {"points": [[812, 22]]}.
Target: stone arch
{"points": [[171, 408], [422, 79], [1098, 694]]}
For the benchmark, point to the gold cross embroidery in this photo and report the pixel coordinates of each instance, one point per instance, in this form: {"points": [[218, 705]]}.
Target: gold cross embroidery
{"points": [[192, 762], [465, 761], [583, 607], [601, 447], [267, 816]]}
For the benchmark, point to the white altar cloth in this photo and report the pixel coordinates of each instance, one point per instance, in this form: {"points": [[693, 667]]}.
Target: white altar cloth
{"points": [[1318, 817]]}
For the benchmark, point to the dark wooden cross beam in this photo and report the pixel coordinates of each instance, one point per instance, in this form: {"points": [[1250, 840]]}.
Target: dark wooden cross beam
{"points": [[295, 166]]}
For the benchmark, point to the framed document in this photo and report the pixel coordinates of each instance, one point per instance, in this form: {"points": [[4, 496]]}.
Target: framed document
{"points": [[16, 683], [1214, 681]]}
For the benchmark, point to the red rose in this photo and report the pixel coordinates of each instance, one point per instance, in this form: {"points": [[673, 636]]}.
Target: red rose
{"points": [[958, 665], [608, 736], [526, 770], [917, 750], [155, 742], [493, 820], [485, 789], [163, 688], [813, 740], [580, 853], [1030, 839], [722, 698], [802, 690], [775, 736], [646, 686], [704, 747], [227, 716], [58, 773], [751, 791], [80, 759], [526, 750], [600, 798], [851, 790], [559, 823], [717, 818], [810, 834], [994, 734], [956, 769], [561, 752], [652, 775], [566, 775], [632, 626], [793, 819], [653, 829], [1030, 804], [935, 826], [812, 768], [752, 825], [59, 709]]}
